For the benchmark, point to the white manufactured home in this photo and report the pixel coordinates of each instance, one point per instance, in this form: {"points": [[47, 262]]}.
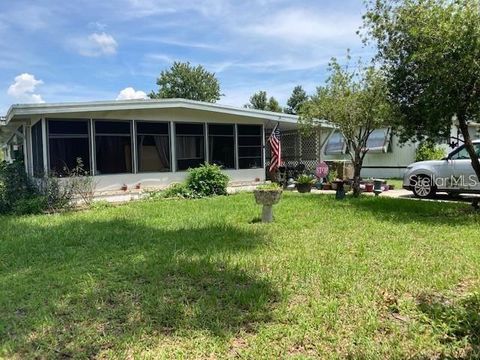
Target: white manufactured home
{"points": [[154, 142], [147, 142]]}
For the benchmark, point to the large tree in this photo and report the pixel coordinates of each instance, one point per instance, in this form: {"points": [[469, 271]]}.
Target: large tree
{"points": [[298, 97], [430, 53], [354, 101], [259, 101], [185, 81]]}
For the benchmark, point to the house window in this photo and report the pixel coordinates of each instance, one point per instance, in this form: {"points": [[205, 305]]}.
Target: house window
{"points": [[378, 140], [250, 146], [335, 144], [221, 145], [153, 146], [113, 147], [68, 143], [190, 145], [37, 149]]}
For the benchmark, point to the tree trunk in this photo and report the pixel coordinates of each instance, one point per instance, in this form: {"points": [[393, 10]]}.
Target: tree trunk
{"points": [[357, 168], [469, 145]]}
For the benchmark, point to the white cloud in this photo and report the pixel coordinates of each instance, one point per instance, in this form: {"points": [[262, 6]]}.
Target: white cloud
{"points": [[130, 93], [23, 88], [303, 26], [96, 44]]}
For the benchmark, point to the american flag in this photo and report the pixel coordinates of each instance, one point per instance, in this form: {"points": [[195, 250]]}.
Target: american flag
{"points": [[276, 148]]}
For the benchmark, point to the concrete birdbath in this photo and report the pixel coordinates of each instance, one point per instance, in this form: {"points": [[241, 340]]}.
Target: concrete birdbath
{"points": [[267, 195]]}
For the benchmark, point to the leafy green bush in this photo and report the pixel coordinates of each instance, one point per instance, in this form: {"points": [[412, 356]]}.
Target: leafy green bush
{"points": [[427, 150], [14, 185], [207, 180], [180, 190], [20, 194], [32, 205]]}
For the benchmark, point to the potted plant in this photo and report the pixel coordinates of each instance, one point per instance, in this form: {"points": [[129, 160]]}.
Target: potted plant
{"points": [[304, 183], [267, 195], [331, 177], [124, 187]]}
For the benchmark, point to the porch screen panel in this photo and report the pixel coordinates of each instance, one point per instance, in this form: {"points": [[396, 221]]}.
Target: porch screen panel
{"points": [[190, 145], [221, 145], [37, 149], [153, 146], [113, 147], [250, 146], [68, 143]]}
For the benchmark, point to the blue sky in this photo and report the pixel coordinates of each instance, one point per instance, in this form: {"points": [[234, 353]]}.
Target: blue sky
{"points": [[53, 51]]}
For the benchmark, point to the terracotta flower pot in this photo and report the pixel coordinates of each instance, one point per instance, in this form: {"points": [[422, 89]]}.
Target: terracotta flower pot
{"points": [[327, 187], [369, 188]]}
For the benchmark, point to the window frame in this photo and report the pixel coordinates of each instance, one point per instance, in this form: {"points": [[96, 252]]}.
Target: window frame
{"points": [[234, 138], [94, 146], [204, 136], [261, 146], [336, 152], [168, 135], [386, 141], [88, 136]]}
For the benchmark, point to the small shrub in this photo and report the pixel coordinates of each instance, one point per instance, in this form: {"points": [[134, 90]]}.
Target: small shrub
{"points": [[427, 150], [30, 206], [81, 183], [58, 196], [207, 180], [180, 190]]}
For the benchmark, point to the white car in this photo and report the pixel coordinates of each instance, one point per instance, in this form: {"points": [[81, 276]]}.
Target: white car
{"points": [[453, 174]]}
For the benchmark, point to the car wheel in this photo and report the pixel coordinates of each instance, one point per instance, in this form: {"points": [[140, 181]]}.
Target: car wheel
{"points": [[423, 187]]}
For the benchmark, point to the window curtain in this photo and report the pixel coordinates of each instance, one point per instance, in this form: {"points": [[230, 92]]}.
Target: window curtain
{"points": [[187, 147], [162, 145]]}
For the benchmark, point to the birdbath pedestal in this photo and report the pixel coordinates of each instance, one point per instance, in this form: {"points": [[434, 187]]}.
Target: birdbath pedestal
{"points": [[267, 198]]}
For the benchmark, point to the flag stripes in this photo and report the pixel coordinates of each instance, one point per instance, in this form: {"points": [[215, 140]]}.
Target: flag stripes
{"points": [[276, 147]]}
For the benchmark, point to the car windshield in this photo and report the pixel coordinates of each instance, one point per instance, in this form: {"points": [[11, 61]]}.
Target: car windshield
{"points": [[463, 153]]}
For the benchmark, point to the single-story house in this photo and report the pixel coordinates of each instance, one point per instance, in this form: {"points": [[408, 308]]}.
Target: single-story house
{"points": [[151, 142], [154, 142]]}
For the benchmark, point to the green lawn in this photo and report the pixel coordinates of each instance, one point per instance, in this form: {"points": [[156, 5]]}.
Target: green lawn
{"points": [[367, 278]]}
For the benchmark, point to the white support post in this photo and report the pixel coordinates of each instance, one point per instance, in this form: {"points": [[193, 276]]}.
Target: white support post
{"points": [[236, 146], [263, 150], [91, 142], [45, 147], [133, 132], [207, 154], [27, 149], [172, 147]]}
